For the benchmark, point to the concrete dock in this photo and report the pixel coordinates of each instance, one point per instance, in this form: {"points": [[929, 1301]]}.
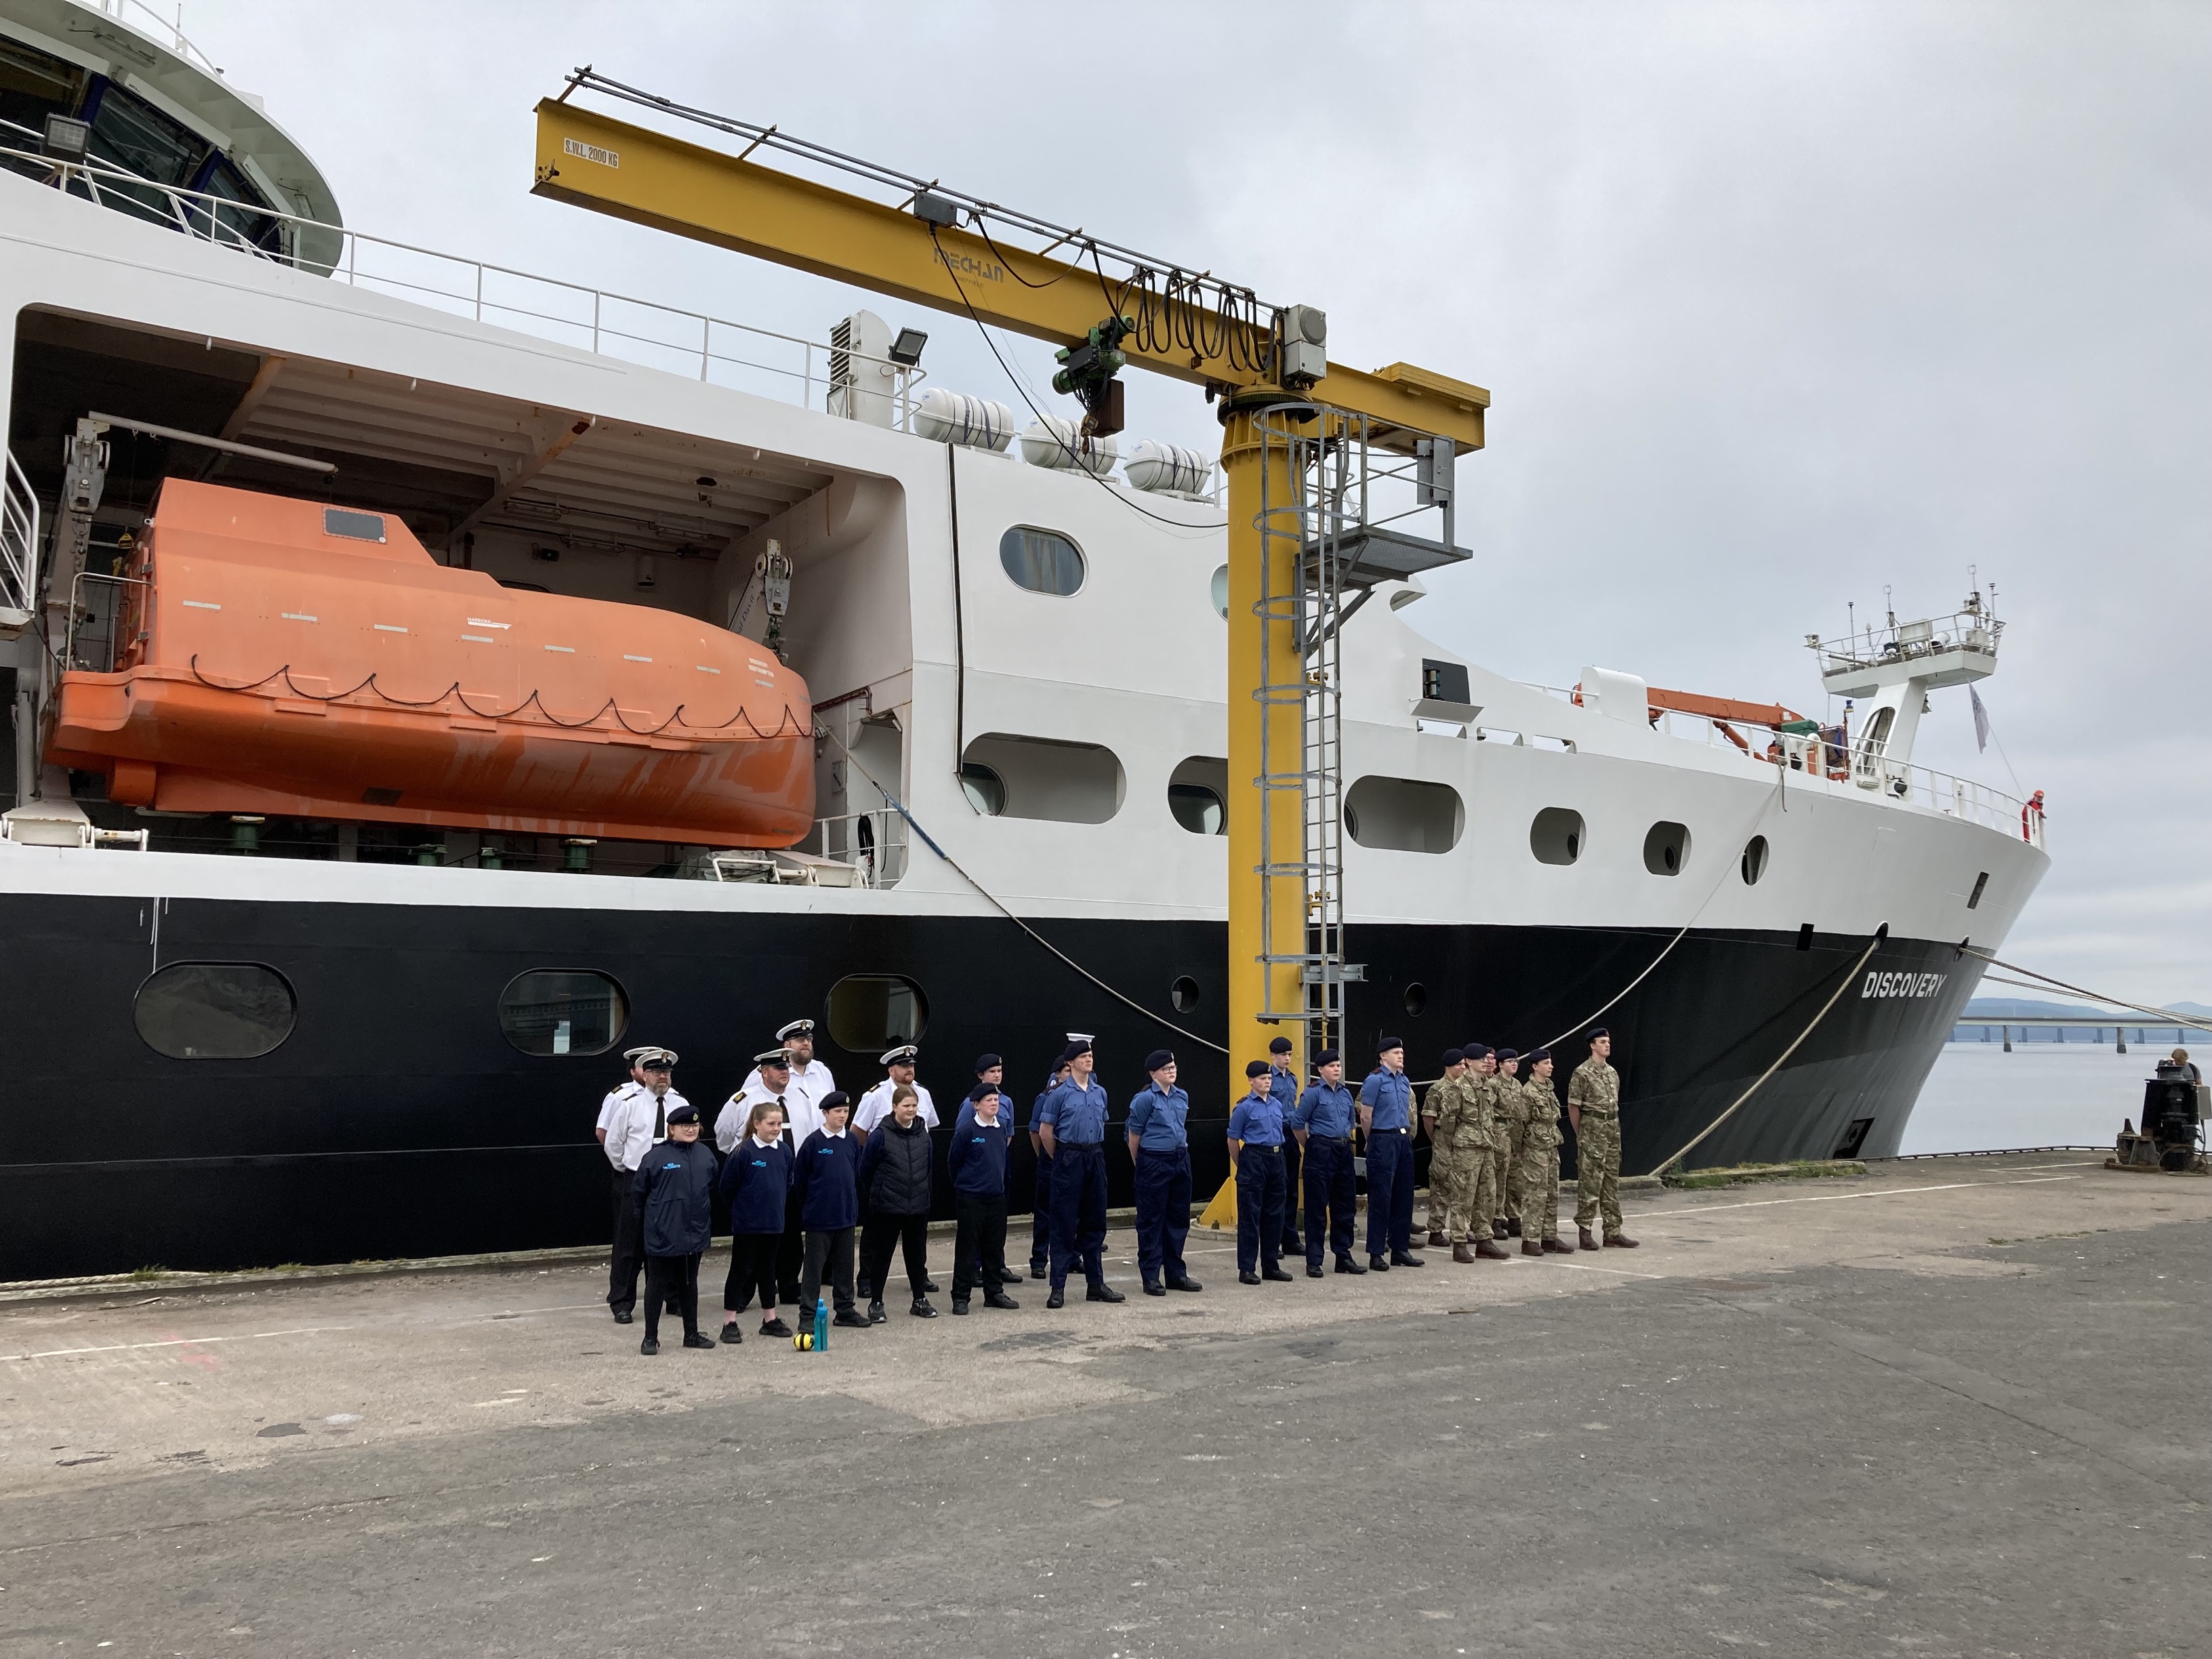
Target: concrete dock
{"points": [[1953, 1406]]}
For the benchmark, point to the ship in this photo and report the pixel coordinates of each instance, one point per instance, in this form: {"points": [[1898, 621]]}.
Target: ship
{"points": [[428, 679]]}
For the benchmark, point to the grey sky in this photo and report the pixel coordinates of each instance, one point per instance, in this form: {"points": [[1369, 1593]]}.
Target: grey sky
{"points": [[1779, 304]]}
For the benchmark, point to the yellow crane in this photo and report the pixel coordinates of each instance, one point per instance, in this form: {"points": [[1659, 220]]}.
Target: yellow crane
{"points": [[1265, 365]]}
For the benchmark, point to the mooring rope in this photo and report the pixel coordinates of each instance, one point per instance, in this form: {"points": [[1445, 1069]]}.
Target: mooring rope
{"points": [[2161, 1016]]}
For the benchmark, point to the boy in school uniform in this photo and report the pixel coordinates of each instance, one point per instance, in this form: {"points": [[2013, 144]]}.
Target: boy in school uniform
{"points": [[979, 1153], [756, 1185], [1255, 1155], [675, 1196], [825, 1176]]}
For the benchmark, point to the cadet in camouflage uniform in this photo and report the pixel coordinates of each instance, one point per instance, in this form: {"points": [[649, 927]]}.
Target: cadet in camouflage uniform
{"points": [[1463, 1124], [1593, 1109], [1540, 1159], [1440, 1148], [1512, 1117]]}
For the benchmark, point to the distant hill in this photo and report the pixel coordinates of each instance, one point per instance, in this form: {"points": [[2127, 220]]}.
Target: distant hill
{"points": [[1979, 1008]]}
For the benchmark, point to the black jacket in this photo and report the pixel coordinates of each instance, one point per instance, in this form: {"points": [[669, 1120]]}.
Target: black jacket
{"points": [[676, 1191], [894, 1170]]}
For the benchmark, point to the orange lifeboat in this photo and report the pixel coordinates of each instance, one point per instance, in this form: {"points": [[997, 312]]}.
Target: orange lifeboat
{"points": [[284, 656]]}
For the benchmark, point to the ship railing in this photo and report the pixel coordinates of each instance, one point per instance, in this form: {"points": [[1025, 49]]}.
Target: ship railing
{"points": [[714, 350], [91, 645], [142, 19], [872, 844], [19, 550], [1933, 636]]}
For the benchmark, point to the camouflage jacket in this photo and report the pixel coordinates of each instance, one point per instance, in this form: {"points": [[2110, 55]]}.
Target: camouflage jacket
{"points": [[1595, 1089], [1542, 1107], [1461, 1107]]}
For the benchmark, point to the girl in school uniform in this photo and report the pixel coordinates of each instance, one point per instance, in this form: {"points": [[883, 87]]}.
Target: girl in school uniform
{"points": [[825, 1176], [756, 1181], [896, 1167]]}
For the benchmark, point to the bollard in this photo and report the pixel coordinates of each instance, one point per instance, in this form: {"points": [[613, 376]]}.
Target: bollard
{"points": [[2008, 1039]]}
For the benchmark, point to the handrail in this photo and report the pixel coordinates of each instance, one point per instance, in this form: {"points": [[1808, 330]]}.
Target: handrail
{"points": [[19, 540], [196, 213], [163, 31]]}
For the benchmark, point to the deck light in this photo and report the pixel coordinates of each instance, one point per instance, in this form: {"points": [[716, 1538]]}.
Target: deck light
{"points": [[67, 139], [906, 350]]}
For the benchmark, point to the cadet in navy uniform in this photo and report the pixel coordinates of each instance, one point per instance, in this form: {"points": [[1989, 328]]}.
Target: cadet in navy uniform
{"points": [[978, 1155], [991, 1074], [825, 1176], [1256, 1153], [1322, 1120], [637, 1123], [1041, 1205], [1386, 1113], [1282, 1084], [756, 1185], [1073, 1125], [1159, 1148], [676, 1195]]}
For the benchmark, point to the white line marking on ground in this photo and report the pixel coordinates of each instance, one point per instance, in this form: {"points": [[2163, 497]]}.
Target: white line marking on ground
{"points": [[178, 1342], [1592, 1267], [1886, 1192]]}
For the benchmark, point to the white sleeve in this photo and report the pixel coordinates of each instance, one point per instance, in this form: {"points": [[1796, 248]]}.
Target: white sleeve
{"points": [[872, 1105], [730, 1126], [607, 1108], [928, 1106], [617, 1129]]}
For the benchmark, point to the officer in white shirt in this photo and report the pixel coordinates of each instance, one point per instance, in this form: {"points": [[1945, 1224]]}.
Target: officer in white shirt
{"points": [[876, 1104], [636, 1124], [769, 1079], [607, 1105], [810, 1082]]}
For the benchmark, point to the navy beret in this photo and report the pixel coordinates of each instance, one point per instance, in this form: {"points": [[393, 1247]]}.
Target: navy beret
{"points": [[1537, 1054], [1328, 1057], [1072, 1049], [982, 1091], [1475, 1051], [1388, 1043], [834, 1099], [1257, 1068], [685, 1115], [1504, 1055], [1452, 1056], [1158, 1058], [985, 1062], [1279, 1046], [1600, 1032]]}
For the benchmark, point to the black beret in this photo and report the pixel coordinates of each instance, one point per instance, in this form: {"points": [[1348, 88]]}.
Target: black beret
{"points": [[1388, 1043], [1328, 1057], [1257, 1068], [1452, 1056], [1600, 1032], [1279, 1046], [1504, 1055], [1072, 1049], [835, 1099], [1158, 1058], [1475, 1051], [982, 1091], [1537, 1054], [985, 1062], [685, 1115]]}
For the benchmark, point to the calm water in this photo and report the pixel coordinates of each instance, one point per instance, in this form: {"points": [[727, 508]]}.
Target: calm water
{"points": [[2045, 1094]]}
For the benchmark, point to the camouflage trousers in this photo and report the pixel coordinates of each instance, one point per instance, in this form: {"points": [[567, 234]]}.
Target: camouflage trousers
{"points": [[1510, 1134], [1471, 1197], [1441, 1158], [1597, 1172], [1538, 1184]]}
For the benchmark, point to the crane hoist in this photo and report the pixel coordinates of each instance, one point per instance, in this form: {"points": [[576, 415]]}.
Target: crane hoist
{"points": [[1302, 440]]}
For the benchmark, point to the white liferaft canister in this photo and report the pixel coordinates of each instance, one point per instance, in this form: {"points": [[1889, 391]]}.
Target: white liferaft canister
{"points": [[944, 416], [1052, 442], [1154, 465]]}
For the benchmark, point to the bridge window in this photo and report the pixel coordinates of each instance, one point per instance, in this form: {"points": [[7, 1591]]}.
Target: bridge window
{"points": [[1041, 561], [1556, 836], [214, 1010], [1404, 815], [1666, 848], [564, 1011]]}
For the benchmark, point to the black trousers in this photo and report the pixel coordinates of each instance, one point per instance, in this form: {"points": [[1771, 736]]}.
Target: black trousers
{"points": [[911, 1234], [979, 1244], [1291, 1159], [828, 1252], [630, 1243], [753, 1269], [1041, 1219], [791, 1254], [1259, 1208], [673, 1280], [1331, 1196]]}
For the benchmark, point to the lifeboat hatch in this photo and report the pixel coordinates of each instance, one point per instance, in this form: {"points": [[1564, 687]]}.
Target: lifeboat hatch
{"points": [[496, 616]]}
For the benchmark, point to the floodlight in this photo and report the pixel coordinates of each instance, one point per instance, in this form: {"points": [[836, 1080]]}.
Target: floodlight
{"points": [[906, 350]]}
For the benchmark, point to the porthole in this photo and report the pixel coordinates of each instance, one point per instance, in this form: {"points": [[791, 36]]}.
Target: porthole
{"points": [[1041, 561], [1666, 848], [985, 789], [214, 1010], [564, 1011], [1404, 815], [1755, 861], [871, 1013], [1198, 809], [1417, 999], [1182, 995], [1221, 593], [1556, 835]]}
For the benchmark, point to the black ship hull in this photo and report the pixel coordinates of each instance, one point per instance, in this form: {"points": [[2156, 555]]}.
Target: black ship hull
{"points": [[397, 1120]]}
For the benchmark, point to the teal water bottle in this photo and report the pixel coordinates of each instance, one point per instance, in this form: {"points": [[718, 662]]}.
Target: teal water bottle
{"points": [[821, 1324]]}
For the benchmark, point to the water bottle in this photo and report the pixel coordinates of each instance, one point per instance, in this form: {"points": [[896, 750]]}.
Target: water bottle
{"points": [[821, 1324]]}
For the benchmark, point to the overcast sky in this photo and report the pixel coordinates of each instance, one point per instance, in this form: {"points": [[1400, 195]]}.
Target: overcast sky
{"points": [[1779, 304]]}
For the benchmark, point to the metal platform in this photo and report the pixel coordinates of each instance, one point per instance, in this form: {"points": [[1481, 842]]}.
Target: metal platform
{"points": [[1370, 554]]}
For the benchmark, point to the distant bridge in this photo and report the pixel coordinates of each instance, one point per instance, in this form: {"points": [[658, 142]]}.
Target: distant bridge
{"points": [[2093, 1029]]}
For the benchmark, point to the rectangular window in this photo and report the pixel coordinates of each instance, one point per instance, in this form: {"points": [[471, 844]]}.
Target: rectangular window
{"points": [[354, 526]]}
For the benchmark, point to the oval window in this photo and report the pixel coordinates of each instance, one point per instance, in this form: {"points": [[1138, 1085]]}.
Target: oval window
{"points": [[1182, 995], [1221, 593], [870, 1012], [1755, 861], [1556, 835], [214, 1010], [1417, 999], [1198, 809], [564, 1011], [1404, 815], [985, 789], [1041, 561], [1666, 848]]}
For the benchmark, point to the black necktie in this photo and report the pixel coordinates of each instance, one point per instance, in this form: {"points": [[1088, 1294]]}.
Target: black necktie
{"points": [[660, 1117]]}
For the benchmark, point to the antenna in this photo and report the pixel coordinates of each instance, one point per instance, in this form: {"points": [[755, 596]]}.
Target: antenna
{"points": [[1889, 605]]}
